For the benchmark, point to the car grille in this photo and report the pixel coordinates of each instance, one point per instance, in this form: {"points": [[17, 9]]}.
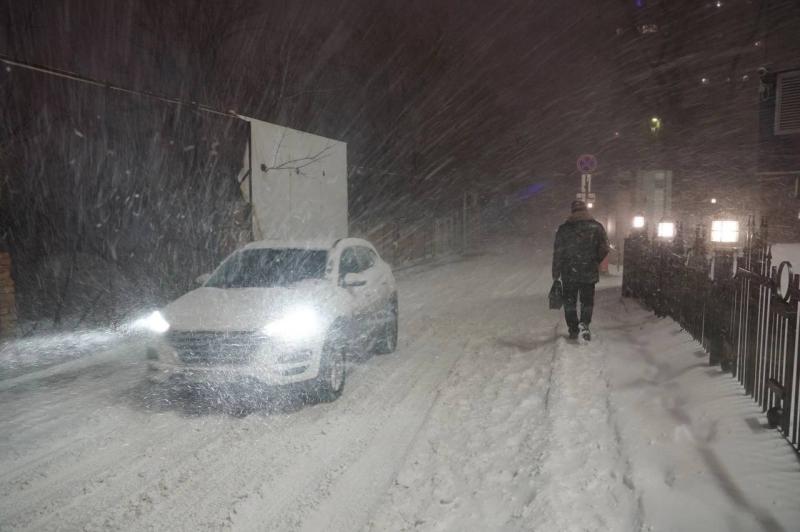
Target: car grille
{"points": [[210, 348]]}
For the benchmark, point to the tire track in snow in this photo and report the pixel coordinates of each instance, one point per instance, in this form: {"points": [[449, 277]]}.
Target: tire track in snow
{"points": [[467, 468], [124, 467], [315, 480]]}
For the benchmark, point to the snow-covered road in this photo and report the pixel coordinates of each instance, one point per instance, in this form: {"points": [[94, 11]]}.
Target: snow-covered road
{"points": [[485, 419]]}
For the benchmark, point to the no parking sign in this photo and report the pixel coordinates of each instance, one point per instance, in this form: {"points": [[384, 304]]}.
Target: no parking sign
{"points": [[587, 163]]}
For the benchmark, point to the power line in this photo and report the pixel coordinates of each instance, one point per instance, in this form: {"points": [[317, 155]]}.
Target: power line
{"points": [[65, 74]]}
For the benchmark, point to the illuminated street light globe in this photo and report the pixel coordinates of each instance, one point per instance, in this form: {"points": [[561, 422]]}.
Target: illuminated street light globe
{"points": [[725, 231], [666, 230], [655, 124]]}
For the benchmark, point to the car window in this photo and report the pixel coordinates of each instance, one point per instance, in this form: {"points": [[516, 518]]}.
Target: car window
{"points": [[366, 257], [269, 267], [349, 262]]}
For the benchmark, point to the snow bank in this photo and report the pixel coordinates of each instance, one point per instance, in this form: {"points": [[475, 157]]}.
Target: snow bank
{"points": [[700, 453], [632, 432]]}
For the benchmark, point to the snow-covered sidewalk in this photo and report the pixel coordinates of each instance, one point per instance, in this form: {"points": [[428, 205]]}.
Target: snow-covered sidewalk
{"points": [[632, 432]]}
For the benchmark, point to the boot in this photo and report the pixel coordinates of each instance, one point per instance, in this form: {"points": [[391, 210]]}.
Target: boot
{"points": [[586, 334]]}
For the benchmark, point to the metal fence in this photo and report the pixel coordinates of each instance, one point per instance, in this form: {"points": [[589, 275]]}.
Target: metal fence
{"points": [[407, 242], [740, 306]]}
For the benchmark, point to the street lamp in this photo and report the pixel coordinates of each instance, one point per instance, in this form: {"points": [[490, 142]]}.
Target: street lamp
{"points": [[655, 124], [638, 222], [590, 205], [725, 231], [724, 238], [666, 230]]}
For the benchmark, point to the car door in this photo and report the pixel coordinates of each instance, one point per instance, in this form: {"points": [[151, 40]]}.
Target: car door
{"points": [[375, 274], [378, 291], [357, 296]]}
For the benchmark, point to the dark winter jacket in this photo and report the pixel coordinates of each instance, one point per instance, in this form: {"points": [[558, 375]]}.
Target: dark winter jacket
{"points": [[581, 245]]}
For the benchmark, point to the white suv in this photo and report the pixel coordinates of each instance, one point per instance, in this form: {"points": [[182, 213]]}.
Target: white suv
{"points": [[279, 313]]}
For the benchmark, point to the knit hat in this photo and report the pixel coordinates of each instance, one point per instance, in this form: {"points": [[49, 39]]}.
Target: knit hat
{"points": [[578, 205]]}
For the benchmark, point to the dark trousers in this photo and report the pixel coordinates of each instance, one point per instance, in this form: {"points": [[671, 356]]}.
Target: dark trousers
{"points": [[572, 291]]}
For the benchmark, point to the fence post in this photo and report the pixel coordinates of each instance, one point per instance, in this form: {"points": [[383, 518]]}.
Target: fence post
{"points": [[8, 307]]}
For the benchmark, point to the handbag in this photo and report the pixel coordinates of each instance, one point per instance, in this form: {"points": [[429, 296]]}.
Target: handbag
{"points": [[556, 295]]}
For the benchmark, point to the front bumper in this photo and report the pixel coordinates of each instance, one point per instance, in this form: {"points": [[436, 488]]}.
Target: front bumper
{"points": [[231, 358]]}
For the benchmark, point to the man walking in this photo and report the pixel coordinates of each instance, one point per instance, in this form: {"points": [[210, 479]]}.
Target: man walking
{"points": [[581, 245]]}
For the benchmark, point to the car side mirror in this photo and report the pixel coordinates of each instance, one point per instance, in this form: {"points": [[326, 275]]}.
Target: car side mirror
{"points": [[353, 279], [202, 279]]}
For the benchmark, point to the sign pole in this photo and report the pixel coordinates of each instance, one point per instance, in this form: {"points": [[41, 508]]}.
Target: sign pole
{"points": [[587, 164]]}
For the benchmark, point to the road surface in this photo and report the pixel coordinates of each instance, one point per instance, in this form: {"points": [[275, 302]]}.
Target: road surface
{"points": [[484, 419]]}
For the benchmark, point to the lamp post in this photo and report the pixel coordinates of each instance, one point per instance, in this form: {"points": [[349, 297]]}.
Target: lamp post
{"points": [[633, 256], [724, 241], [666, 230], [655, 125]]}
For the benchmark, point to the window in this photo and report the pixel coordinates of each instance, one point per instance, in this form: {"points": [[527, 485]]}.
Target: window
{"points": [[366, 257], [269, 267], [349, 262], [787, 103], [725, 231]]}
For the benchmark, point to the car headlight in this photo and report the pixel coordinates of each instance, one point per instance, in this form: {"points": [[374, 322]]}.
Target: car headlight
{"points": [[155, 322], [297, 324]]}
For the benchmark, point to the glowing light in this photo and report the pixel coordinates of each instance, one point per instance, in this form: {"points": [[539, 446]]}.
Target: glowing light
{"points": [[719, 3], [704, 81], [638, 222], [714, 200], [590, 205], [297, 324], [655, 124], [725, 231], [155, 322], [666, 230]]}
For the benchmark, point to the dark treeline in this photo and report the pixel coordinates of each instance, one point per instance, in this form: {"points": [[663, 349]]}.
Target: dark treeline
{"points": [[112, 201]]}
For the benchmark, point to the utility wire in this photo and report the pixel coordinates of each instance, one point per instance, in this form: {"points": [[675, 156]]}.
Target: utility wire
{"points": [[65, 74]]}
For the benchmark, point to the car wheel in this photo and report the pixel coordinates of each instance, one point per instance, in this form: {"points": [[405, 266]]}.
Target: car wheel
{"points": [[387, 341], [329, 383]]}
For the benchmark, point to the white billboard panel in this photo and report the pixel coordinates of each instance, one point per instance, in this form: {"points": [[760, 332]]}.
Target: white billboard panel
{"points": [[299, 184]]}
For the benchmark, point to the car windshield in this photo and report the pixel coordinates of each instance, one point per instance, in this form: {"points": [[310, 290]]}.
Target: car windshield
{"points": [[269, 267]]}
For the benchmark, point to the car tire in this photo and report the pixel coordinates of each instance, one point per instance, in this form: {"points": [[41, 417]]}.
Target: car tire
{"points": [[329, 384], [387, 341]]}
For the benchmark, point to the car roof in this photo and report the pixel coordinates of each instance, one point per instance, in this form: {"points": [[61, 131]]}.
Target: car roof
{"points": [[316, 244]]}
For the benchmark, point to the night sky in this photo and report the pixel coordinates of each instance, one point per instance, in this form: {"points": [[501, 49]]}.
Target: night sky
{"points": [[434, 98]]}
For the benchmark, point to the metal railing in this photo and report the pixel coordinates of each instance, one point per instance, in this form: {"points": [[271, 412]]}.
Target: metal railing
{"points": [[742, 308], [408, 242]]}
